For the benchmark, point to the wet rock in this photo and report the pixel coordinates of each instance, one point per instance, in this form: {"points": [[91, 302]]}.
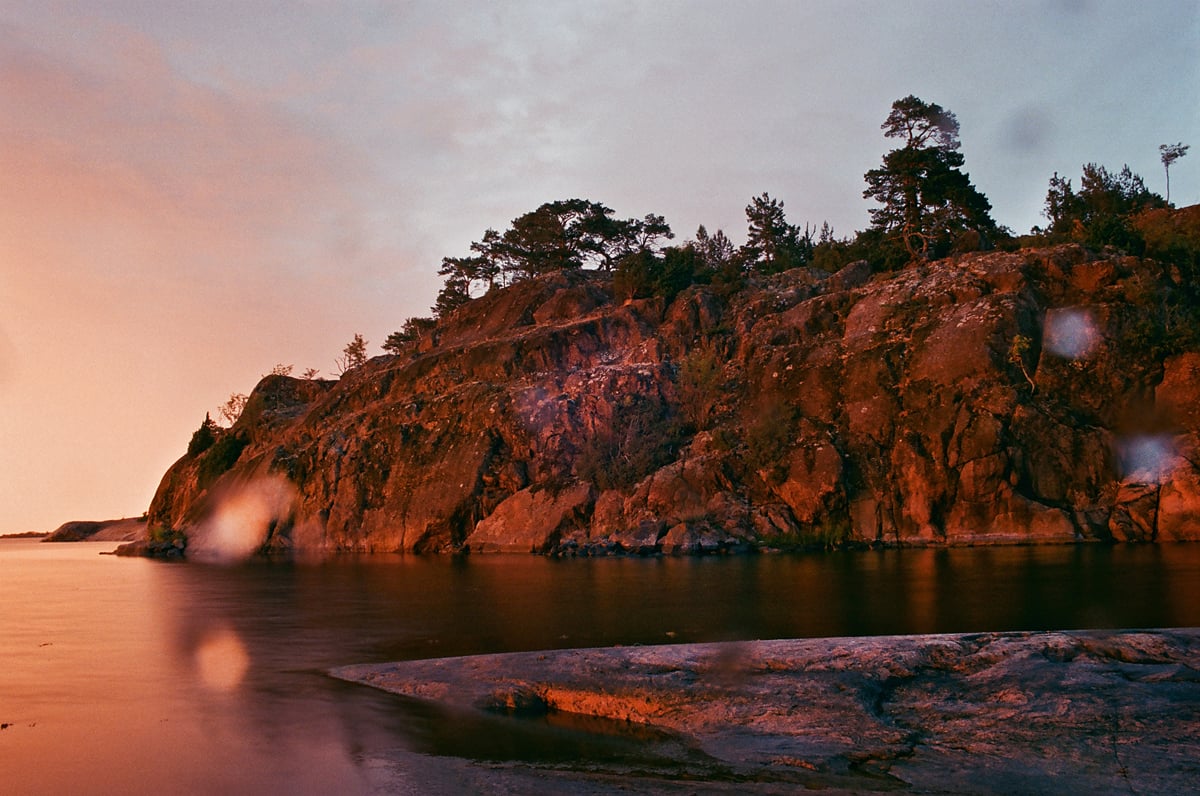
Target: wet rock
{"points": [[980, 713]]}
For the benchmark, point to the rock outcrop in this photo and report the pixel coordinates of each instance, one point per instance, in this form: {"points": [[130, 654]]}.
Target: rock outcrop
{"points": [[1104, 711], [123, 530], [1003, 397]]}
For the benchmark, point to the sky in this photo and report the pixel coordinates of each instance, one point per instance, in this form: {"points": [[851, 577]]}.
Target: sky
{"points": [[192, 193]]}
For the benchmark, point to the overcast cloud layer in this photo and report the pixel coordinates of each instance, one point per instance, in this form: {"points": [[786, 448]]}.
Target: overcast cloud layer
{"points": [[191, 193]]}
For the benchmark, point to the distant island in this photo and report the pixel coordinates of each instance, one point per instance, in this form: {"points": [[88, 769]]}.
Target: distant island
{"points": [[583, 388], [123, 530]]}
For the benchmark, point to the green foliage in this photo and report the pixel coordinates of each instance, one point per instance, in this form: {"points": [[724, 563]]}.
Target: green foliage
{"points": [[926, 201], [161, 535], [644, 274], [413, 330], [1016, 354], [642, 437], [1165, 320], [1100, 213], [634, 276], [221, 456], [701, 382], [772, 244], [562, 235], [454, 294], [1171, 153], [770, 434], [204, 437], [353, 355], [231, 410], [715, 252]]}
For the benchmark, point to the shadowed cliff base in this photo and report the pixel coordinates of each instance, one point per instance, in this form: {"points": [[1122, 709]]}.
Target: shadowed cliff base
{"points": [[1086, 711], [1035, 396]]}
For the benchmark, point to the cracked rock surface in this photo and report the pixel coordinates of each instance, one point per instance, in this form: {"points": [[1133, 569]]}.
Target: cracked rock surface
{"points": [[1047, 712]]}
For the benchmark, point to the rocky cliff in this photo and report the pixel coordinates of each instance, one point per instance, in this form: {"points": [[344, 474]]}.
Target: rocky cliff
{"points": [[1042, 395]]}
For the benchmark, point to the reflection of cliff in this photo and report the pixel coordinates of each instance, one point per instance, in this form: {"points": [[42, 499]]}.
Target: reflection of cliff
{"points": [[995, 397]]}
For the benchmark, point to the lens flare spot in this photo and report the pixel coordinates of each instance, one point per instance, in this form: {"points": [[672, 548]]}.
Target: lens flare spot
{"points": [[241, 521], [1147, 458], [1071, 333], [221, 661]]}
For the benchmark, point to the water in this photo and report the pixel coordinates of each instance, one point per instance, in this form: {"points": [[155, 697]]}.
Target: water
{"points": [[136, 676]]}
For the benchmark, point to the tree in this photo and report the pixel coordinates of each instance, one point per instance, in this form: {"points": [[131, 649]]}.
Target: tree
{"points": [[412, 330], [1099, 213], [455, 292], [1170, 154], [353, 355], [231, 410], [1061, 204], [772, 244], [280, 370], [565, 234], [204, 437], [926, 200], [716, 251]]}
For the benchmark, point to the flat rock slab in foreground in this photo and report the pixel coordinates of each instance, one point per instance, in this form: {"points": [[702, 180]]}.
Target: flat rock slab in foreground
{"points": [[1078, 712]]}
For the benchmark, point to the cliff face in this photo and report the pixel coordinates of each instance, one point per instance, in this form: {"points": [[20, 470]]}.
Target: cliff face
{"points": [[993, 397]]}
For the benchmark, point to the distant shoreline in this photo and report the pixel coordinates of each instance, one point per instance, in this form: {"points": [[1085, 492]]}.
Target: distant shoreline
{"points": [[24, 535], [126, 529]]}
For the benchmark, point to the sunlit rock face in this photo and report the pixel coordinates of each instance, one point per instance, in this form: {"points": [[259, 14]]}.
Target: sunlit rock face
{"points": [[806, 409]]}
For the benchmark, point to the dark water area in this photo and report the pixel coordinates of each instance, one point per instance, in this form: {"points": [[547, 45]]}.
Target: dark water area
{"points": [[137, 676]]}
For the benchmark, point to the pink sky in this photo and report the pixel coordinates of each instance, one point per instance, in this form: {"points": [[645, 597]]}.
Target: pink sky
{"points": [[192, 193]]}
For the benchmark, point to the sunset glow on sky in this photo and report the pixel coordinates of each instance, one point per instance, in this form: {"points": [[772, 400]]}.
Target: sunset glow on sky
{"points": [[194, 192]]}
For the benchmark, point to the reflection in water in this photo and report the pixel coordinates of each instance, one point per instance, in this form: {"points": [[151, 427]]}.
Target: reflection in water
{"points": [[221, 660], [203, 678]]}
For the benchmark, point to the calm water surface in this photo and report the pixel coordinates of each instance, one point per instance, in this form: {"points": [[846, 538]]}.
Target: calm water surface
{"points": [[137, 676]]}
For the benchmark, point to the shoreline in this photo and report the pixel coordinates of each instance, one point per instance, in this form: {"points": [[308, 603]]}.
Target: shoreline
{"points": [[977, 712], [175, 547]]}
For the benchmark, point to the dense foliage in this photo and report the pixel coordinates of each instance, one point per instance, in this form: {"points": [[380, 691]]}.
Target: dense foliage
{"points": [[1101, 212], [926, 202], [927, 208]]}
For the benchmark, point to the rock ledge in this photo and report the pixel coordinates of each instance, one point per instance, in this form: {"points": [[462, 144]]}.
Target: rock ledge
{"points": [[1105, 711]]}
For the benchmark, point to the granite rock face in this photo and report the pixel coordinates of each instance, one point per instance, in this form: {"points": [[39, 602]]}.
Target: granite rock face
{"points": [[1085, 712], [1002, 397]]}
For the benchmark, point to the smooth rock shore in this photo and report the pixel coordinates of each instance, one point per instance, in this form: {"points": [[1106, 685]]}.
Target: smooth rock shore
{"points": [[1046, 712]]}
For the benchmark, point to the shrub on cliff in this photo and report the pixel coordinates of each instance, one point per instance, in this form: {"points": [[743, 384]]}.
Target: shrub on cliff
{"points": [[413, 330], [644, 274], [769, 435], [1102, 212], [644, 435], [219, 458], [204, 437], [701, 381]]}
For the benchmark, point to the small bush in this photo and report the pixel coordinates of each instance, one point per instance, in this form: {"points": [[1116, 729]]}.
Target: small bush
{"points": [[204, 437], [769, 436], [642, 438], [219, 458], [701, 380]]}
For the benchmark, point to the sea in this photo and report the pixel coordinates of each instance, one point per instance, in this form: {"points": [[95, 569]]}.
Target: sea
{"points": [[122, 675]]}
